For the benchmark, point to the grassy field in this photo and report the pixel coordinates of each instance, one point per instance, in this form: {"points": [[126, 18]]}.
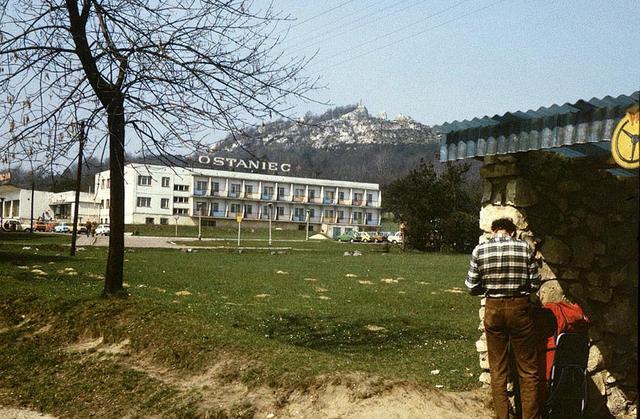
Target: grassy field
{"points": [[285, 318], [230, 232]]}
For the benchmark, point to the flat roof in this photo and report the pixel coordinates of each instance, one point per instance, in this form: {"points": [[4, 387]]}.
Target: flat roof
{"points": [[257, 176]]}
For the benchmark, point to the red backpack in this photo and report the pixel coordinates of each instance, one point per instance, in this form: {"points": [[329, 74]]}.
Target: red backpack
{"points": [[570, 318]]}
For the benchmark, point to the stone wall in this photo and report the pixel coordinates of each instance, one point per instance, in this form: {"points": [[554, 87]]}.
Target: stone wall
{"points": [[582, 223]]}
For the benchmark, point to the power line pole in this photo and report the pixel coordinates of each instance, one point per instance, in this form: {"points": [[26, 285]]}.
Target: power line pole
{"points": [[74, 233]]}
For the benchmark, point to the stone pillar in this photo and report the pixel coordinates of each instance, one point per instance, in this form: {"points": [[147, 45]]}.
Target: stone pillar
{"points": [[582, 224]]}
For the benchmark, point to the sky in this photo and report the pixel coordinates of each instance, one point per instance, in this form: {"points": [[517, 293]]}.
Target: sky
{"points": [[439, 61]]}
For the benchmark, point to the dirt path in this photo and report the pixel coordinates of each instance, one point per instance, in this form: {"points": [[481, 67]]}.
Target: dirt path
{"points": [[12, 413]]}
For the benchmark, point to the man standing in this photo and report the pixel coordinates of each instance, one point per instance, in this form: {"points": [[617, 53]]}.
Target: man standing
{"points": [[504, 270]]}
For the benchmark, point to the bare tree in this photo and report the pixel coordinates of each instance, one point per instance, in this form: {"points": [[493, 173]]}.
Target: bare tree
{"points": [[168, 72]]}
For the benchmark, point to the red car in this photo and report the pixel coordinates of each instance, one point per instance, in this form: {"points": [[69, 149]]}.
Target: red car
{"points": [[44, 226]]}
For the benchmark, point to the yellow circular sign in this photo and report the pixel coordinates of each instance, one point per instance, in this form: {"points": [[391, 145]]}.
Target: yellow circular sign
{"points": [[624, 142], [238, 219]]}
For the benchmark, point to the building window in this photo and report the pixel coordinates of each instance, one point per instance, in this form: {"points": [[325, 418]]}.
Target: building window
{"points": [[341, 196], [149, 220], [108, 183], [248, 189], [298, 213], [201, 208], [102, 204], [235, 209], [312, 194], [180, 199], [144, 180], [340, 215], [280, 192], [201, 185], [143, 202], [267, 192], [357, 216], [357, 198], [102, 184], [248, 209], [181, 188], [280, 210], [216, 207], [215, 187], [369, 216], [108, 203], [165, 183], [369, 198], [328, 213], [164, 221], [234, 189], [164, 203], [180, 211], [298, 192]]}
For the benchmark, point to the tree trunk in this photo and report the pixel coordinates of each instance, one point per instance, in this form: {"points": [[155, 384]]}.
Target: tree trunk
{"points": [[114, 275], [74, 233]]}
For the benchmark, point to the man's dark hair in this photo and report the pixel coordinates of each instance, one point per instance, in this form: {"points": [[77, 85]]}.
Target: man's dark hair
{"points": [[503, 224]]}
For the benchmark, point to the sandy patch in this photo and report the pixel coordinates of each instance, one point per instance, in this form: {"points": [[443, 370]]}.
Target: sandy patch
{"points": [[183, 293], [323, 297], [365, 282], [310, 279], [39, 272], [320, 289], [455, 290], [84, 345], [374, 328], [262, 295], [351, 276], [14, 413], [389, 280], [282, 273]]}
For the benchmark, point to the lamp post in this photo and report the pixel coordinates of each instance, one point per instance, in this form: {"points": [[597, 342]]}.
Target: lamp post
{"points": [[2, 198], [270, 206], [307, 229], [176, 217], [200, 221]]}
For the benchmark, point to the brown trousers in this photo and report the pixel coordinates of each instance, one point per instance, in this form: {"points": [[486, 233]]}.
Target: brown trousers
{"points": [[510, 320]]}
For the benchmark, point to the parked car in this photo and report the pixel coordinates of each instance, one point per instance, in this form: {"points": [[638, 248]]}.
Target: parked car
{"points": [[395, 238], [15, 225], [62, 228], [365, 237], [349, 236], [377, 237], [103, 230], [44, 226]]}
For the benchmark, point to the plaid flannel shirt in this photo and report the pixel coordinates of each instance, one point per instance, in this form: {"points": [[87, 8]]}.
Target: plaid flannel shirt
{"points": [[503, 267]]}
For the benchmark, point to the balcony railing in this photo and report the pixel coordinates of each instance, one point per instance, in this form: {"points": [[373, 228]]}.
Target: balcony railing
{"points": [[372, 203], [299, 218], [328, 200], [200, 192], [216, 214], [281, 197], [251, 195], [373, 222], [298, 198], [357, 202], [314, 200], [267, 197], [233, 194]]}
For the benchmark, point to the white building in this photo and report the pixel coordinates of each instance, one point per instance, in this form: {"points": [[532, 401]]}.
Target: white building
{"points": [[170, 195], [63, 204], [16, 204]]}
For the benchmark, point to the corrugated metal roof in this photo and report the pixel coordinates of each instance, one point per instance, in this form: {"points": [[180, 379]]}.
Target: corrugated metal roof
{"points": [[550, 127]]}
